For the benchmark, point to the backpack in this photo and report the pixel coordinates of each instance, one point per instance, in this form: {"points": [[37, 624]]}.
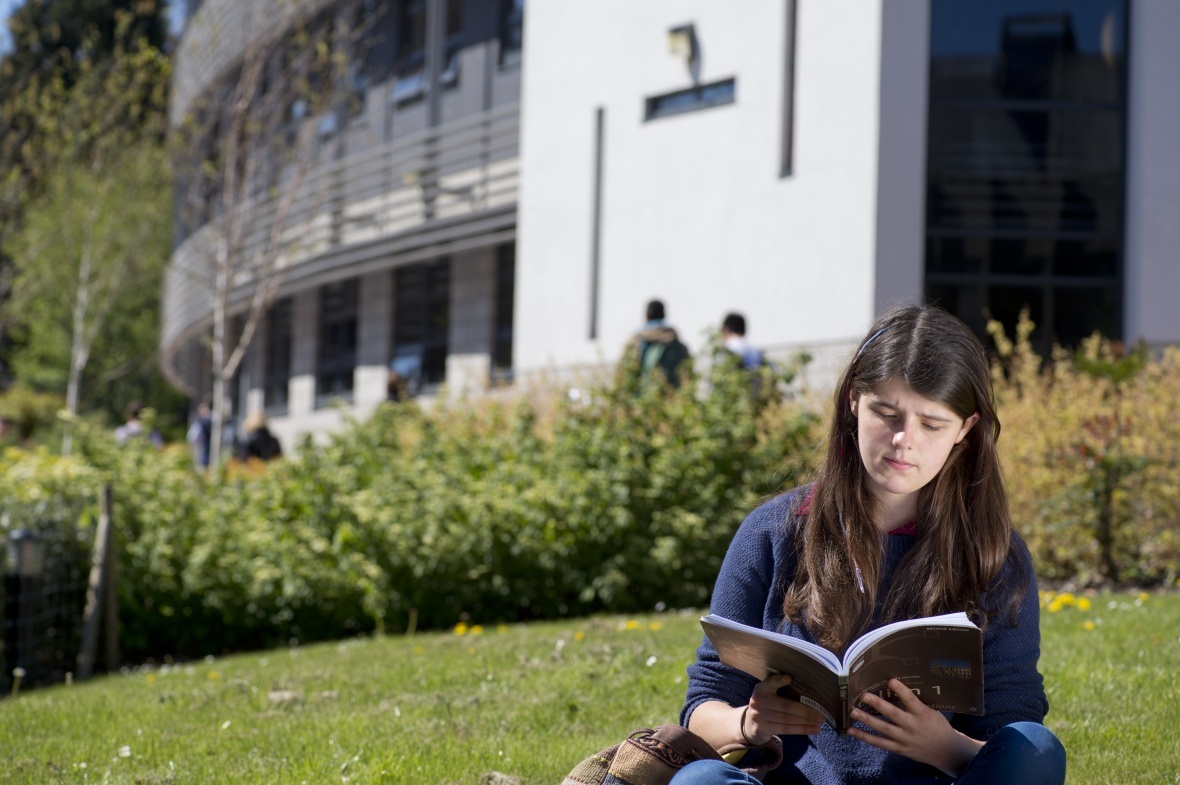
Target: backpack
{"points": [[667, 356], [651, 756]]}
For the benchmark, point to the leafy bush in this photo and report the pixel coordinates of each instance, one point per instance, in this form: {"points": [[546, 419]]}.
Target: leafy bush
{"points": [[489, 510], [1091, 444], [26, 411], [621, 499]]}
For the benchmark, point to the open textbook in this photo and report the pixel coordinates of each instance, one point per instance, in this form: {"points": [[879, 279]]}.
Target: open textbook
{"points": [[940, 658]]}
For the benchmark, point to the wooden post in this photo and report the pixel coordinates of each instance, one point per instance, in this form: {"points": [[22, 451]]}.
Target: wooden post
{"points": [[99, 594]]}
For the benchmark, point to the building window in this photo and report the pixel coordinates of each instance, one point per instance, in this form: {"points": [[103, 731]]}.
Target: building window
{"points": [[372, 59], [421, 323], [412, 79], [505, 299], [278, 356], [411, 36], [337, 345], [511, 32], [1025, 164], [690, 100]]}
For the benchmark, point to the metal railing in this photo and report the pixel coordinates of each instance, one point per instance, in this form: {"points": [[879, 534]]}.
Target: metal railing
{"points": [[455, 171]]}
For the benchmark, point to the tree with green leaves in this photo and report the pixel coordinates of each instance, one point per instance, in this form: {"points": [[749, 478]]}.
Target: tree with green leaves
{"points": [[90, 251], [54, 44]]}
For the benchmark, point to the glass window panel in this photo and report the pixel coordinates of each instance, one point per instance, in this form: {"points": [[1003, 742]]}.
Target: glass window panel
{"points": [[278, 355], [421, 322], [511, 31], [967, 301], [1004, 304], [1073, 313], [338, 339], [1090, 258], [505, 297], [1028, 49], [1025, 166]]}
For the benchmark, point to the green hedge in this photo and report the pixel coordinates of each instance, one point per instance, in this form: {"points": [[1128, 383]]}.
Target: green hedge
{"points": [[544, 506], [485, 511]]}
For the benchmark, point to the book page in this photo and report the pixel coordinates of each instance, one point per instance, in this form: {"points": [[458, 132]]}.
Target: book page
{"points": [[869, 638], [817, 652], [761, 653], [941, 663]]}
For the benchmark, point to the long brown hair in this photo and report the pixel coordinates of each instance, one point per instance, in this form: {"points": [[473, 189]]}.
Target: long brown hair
{"points": [[964, 530]]}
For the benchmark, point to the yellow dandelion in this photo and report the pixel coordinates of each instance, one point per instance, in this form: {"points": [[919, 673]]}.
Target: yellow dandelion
{"points": [[476, 629], [1067, 599], [214, 675], [631, 625], [1083, 604], [1143, 596], [579, 635], [151, 677], [1054, 606], [419, 649], [655, 625], [1089, 625], [501, 628], [461, 628]]}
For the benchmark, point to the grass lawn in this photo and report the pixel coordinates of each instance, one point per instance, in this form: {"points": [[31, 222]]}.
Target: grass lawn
{"points": [[528, 701]]}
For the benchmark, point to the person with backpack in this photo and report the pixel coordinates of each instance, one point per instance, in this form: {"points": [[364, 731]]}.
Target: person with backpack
{"points": [[733, 337], [656, 348]]}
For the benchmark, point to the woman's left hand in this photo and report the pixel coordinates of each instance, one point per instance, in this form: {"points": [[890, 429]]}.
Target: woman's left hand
{"points": [[914, 730]]}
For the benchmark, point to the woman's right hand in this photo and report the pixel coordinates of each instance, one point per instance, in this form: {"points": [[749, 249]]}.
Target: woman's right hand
{"points": [[770, 714]]}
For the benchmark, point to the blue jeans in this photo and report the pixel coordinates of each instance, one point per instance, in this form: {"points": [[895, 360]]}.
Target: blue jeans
{"points": [[1023, 752]]}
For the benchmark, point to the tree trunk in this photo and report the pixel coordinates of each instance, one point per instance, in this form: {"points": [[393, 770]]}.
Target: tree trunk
{"points": [[220, 306], [77, 349]]}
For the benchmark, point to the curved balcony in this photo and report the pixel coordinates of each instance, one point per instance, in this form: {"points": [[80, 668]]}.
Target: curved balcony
{"points": [[413, 198], [218, 34]]}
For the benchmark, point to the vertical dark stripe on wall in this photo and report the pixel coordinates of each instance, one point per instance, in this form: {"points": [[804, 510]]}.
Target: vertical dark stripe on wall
{"points": [[436, 42], [788, 134], [596, 221]]}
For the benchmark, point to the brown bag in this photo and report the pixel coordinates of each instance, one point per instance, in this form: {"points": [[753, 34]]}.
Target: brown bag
{"points": [[651, 756]]}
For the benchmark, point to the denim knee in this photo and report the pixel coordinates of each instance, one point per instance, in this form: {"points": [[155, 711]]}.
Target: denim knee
{"points": [[1044, 744], [712, 772], [1025, 752]]}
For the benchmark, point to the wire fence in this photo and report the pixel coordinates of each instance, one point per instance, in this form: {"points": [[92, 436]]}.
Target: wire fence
{"points": [[46, 574]]}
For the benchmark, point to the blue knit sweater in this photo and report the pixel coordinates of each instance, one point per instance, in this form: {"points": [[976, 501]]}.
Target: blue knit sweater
{"points": [[759, 565]]}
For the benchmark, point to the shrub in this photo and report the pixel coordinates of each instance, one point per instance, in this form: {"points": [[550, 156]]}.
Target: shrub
{"points": [[620, 500], [1091, 449]]}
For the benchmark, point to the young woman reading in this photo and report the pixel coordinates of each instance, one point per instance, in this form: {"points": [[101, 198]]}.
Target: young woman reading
{"points": [[908, 517]]}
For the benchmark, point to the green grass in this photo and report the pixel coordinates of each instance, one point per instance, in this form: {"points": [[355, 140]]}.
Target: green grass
{"points": [[528, 701]]}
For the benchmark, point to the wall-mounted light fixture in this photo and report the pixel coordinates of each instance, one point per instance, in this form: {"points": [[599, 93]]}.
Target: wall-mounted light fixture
{"points": [[682, 44]]}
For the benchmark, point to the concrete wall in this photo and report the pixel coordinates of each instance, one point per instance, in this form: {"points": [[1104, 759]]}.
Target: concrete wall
{"points": [[472, 318], [695, 210], [901, 180], [1153, 175]]}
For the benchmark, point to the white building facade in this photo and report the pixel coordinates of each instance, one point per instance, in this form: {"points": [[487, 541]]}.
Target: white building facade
{"points": [[807, 164], [817, 197]]}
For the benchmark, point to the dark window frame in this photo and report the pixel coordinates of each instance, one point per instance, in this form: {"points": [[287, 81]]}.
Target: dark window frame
{"points": [[722, 92], [280, 339], [502, 328], [511, 33], [337, 344], [1047, 228], [421, 323]]}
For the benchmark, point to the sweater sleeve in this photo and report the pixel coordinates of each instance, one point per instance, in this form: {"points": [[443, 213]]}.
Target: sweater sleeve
{"points": [[741, 593], [1014, 689]]}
